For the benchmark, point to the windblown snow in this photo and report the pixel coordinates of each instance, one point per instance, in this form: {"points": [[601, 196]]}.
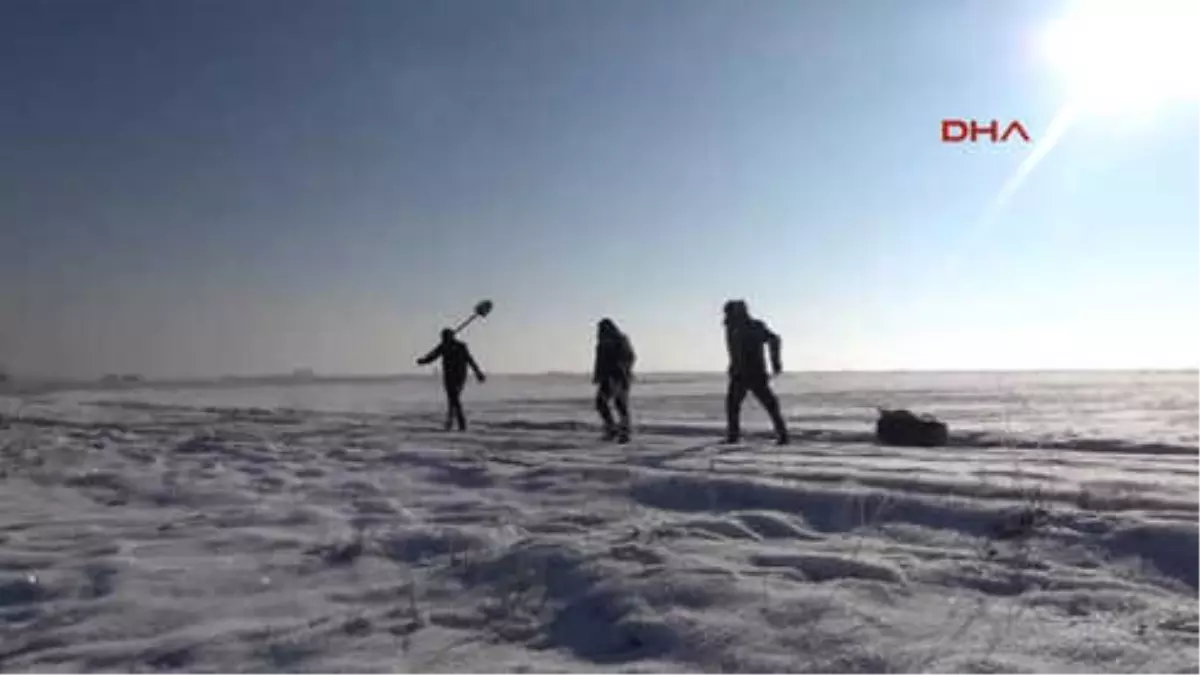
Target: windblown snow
{"points": [[335, 527]]}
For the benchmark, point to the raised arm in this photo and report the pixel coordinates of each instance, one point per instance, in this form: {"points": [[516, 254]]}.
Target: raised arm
{"points": [[430, 357]]}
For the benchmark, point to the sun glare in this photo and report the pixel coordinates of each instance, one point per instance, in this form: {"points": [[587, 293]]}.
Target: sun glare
{"points": [[1116, 57]]}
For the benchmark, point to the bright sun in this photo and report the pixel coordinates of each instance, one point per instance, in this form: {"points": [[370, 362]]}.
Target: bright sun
{"points": [[1123, 56]]}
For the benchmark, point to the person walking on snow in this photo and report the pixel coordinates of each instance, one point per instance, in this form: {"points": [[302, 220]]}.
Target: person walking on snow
{"points": [[613, 376], [745, 339], [456, 358]]}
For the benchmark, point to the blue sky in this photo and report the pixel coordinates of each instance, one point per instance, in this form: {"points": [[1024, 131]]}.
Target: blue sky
{"points": [[199, 187]]}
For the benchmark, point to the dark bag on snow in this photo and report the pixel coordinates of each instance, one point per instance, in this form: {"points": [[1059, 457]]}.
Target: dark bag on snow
{"points": [[902, 428]]}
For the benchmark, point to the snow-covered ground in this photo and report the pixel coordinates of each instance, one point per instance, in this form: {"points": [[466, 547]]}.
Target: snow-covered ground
{"points": [[334, 527]]}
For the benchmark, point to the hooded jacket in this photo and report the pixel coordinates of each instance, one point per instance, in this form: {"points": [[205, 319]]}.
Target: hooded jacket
{"points": [[614, 355], [745, 340]]}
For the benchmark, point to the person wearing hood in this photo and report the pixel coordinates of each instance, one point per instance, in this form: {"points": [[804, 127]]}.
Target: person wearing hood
{"points": [[612, 374], [456, 359], [745, 339]]}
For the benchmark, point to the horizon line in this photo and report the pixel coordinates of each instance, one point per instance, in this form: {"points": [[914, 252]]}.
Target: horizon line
{"points": [[312, 376]]}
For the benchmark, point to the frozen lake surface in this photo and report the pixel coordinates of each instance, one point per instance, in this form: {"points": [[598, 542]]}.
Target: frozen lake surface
{"points": [[335, 527]]}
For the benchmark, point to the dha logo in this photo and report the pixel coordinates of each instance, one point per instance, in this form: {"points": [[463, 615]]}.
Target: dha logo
{"points": [[959, 131]]}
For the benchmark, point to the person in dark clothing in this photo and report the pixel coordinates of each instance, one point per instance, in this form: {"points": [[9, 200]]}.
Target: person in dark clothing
{"points": [[456, 358], [745, 339], [613, 375]]}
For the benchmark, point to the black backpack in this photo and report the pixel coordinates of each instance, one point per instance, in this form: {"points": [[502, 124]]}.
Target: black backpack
{"points": [[902, 428]]}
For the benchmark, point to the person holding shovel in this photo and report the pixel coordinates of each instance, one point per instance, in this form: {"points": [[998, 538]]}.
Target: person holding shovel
{"points": [[456, 358]]}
